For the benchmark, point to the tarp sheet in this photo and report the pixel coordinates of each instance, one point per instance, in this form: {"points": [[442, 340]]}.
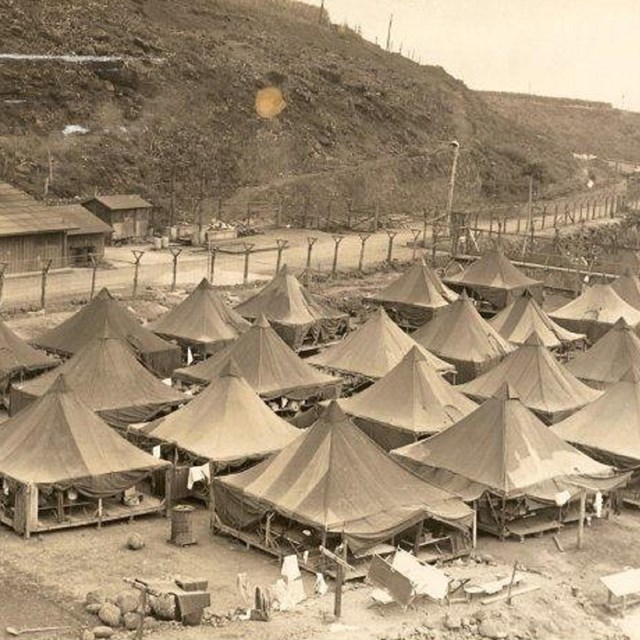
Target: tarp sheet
{"points": [[412, 398], [373, 349], [227, 423], [18, 358], [267, 364], [295, 314], [67, 338], [335, 479], [203, 318], [609, 358], [595, 311], [459, 335], [611, 424], [58, 441], [495, 279], [541, 382], [503, 448], [106, 376], [524, 316]]}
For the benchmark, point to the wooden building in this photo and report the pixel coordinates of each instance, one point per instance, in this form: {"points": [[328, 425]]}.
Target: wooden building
{"points": [[87, 238], [33, 233], [128, 215]]}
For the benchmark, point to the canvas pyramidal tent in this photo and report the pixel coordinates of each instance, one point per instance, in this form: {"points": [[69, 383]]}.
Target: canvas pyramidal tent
{"points": [[298, 317], [495, 279], [373, 349], [542, 383], [504, 457], [227, 424], [595, 311], [459, 335], [609, 428], [62, 466], [337, 482], [412, 401], [18, 359], [203, 320], [627, 287], [415, 296], [67, 338], [271, 368], [523, 316], [107, 377], [609, 358]]}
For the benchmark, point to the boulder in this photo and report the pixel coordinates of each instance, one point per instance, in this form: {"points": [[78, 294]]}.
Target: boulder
{"points": [[102, 632], [135, 542], [452, 622], [150, 623], [489, 629], [93, 608], [87, 634], [95, 597], [131, 621], [110, 614], [164, 607], [128, 600]]}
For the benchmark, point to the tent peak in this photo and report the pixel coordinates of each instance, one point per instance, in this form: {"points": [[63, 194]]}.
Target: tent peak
{"points": [[60, 385], [507, 392], [414, 355], [534, 340], [333, 413], [231, 369], [284, 270], [104, 294], [204, 284], [621, 323], [632, 374], [262, 322]]}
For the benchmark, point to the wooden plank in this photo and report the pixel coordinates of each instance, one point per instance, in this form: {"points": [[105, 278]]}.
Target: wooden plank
{"points": [[504, 596], [623, 583]]}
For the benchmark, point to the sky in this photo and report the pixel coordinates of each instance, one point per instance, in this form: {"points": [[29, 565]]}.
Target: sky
{"points": [[588, 49]]}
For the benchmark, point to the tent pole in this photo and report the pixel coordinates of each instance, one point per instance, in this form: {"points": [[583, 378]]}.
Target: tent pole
{"points": [[416, 542], [212, 497], [99, 513], [337, 605]]}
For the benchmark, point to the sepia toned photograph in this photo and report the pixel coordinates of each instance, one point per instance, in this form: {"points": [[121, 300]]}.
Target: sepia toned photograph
{"points": [[320, 319]]}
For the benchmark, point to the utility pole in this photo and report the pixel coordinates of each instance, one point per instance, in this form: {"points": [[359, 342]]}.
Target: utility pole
{"points": [[452, 185], [389, 32]]}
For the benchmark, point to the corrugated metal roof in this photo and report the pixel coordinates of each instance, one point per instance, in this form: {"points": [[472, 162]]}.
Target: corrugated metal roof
{"points": [[83, 220], [20, 214], [116, 202]]}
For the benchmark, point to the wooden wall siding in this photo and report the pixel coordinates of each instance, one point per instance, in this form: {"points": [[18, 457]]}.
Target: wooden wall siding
{"points": [[32, 252]]}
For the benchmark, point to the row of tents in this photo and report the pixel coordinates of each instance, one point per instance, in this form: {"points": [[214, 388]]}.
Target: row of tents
{"points": [[334, 476]]}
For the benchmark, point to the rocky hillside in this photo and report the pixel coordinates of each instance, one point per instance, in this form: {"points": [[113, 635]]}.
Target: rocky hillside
{"points": [[168, 104], [583, 127]]}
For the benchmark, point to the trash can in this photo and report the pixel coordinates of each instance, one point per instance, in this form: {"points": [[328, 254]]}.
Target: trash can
{"points": [[182, 525]]}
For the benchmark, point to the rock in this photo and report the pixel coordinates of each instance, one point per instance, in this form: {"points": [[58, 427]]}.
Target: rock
{"points": [[488, 629], [452, 622], [131, 621], [102, 632], [93, 608], [128, 600], [164, 607], [87, 634], [109, 614], [150, 622], [487, 558], [95, 597], [135, 542], [480, 615]]}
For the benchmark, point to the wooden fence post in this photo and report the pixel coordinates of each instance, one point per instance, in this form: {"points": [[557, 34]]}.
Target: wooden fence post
{"points": [[391, 235], [213, 250], [416, 235], [174, 276], [363, 240], [311, 240], [376, 218], [248, 247], [555, 215], [137, 256], [94, 269], [334, 267], [544, 216], [424, 227], [282, 245], [43, 292]]}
